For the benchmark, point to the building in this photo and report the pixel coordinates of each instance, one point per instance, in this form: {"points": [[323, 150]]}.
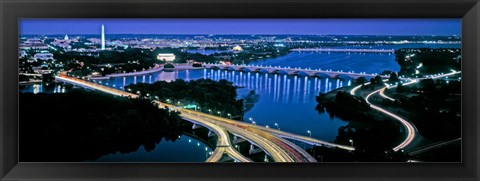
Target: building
{"points": [[43, 56], [169, 57], [65, 44], [22, 53], [34, 44], [237, 48]]}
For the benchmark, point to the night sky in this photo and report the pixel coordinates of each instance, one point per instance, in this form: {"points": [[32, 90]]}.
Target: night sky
{"points": [[244, 26]]}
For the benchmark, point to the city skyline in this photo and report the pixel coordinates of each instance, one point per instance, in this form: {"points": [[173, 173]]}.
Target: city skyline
{"points": [[244, 94], [391, 27]]}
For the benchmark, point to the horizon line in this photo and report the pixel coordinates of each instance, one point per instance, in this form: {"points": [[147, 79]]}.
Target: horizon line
{"points": [[236, 34]]}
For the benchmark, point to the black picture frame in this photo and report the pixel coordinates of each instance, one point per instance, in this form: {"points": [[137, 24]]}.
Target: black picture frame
{"points": [[12, 11]]}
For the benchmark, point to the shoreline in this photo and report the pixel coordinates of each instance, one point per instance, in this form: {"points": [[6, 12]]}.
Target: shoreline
{"points": [[149, 71]]}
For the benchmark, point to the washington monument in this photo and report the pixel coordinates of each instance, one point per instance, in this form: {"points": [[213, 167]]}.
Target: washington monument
{"points": [[103, 37]]}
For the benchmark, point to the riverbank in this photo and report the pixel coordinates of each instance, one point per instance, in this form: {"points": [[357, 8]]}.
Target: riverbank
{"points": [[372, 133], [148, 71], [98, 124]]}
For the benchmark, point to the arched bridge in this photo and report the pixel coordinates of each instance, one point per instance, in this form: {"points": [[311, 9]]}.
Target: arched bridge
{"points": [[292, 71]]}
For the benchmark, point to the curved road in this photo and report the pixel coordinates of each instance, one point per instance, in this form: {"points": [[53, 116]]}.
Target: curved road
{"points": [[223, 143], [411, 129], [268, 139], [279, 149], [272, 145]]}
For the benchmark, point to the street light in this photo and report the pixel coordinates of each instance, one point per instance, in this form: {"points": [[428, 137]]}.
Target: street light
{"points": [[209, 110], [229, 115], [251, 120], [206, 153], [351, 142], [277, 126], [310, 133], [219, 113]]}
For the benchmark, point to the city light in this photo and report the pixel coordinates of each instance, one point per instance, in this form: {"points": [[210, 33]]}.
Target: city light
{"points": [[263, 81]]}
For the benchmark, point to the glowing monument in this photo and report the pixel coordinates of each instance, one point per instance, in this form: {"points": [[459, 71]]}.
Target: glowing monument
{"points": [[103, 37]]}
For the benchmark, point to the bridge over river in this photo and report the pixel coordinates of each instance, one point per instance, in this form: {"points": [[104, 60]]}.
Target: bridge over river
{"points": [[253, 68], [343, 50], [269, 140], [292, 71]]}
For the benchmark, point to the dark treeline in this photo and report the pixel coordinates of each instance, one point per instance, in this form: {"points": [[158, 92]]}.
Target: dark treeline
{"points": [[211, 96], [258, 52], [81, 125], [344, 106], [136, 59], [433, 106], [128, 60], [372, 136], [433, 61]]}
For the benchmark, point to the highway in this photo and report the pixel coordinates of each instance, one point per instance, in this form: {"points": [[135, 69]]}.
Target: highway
{"points": [[272, 133], [279, 149], [410, 128], [382, 93], [305, 139], [223, 145], [268, 139], [84, 83], [223, 142], [433, 146]]}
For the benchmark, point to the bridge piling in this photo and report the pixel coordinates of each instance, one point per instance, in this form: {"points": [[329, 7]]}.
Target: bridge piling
{"points": [[196, 126]]}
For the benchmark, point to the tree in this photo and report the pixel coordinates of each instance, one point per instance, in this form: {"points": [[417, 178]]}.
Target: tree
{"points": [[377, 80], [427, 86], [169, 65], [393, 77], [386, 72], [23, 78], [48, 78], [360, 80], [401, 88]]}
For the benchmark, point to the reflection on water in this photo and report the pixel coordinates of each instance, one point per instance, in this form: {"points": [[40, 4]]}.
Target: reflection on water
{"points": [[282, 88], [43, 88], [184, 149], [286, 100], [36, 88]]}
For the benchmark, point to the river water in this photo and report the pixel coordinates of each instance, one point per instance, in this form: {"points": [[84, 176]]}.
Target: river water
{"points": [[289, 101], [286, 101], [185, 149]]}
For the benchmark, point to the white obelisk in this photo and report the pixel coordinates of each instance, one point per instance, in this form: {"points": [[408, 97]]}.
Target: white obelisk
{"points": [[103, 37]]}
